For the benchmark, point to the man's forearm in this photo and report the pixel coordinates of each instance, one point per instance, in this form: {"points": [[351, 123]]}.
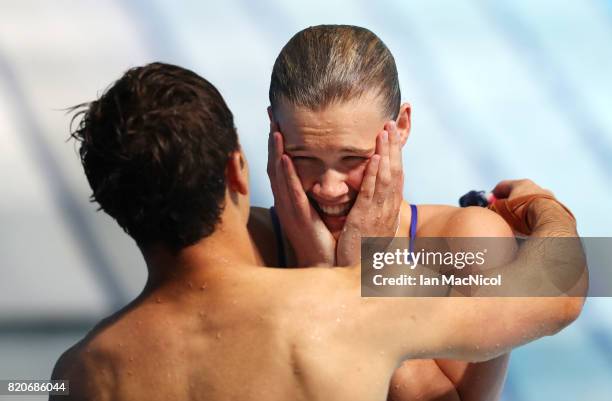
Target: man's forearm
{"points": [[550, 262], [549, 219], [548, 265]]}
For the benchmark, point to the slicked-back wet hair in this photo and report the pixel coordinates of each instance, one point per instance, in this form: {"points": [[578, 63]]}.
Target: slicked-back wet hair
{"points": [[326, 64], [154, 148]]}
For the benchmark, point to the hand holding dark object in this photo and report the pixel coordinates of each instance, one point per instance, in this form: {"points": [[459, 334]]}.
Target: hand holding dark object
{"points": [[475, 198], [525, 205], [514, 200]]}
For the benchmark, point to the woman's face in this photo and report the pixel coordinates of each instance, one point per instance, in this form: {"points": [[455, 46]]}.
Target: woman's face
{"points": [[330, 149]]}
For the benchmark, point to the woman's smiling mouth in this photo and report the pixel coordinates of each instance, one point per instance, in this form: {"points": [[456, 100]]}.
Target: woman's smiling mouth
{"points": [[337, 210]]}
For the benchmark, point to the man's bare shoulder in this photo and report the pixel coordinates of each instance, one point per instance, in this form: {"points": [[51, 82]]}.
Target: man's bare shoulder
{"points": [[91, 365], [88, 366], [453, 221]]}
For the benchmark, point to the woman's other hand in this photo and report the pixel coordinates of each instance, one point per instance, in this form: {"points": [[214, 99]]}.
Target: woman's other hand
{"points": [[312, 242], [376, 210]]}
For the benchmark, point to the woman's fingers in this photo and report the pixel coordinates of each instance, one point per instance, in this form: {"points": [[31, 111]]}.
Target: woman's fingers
{"points": [[295, 191], [383, 179], [395, 190], [395, 155], [385, 201], [279, 146], [395, 161], [271, 156], [368, 185], [395, 149], [275, 152], [387, 182], [276, 170]]}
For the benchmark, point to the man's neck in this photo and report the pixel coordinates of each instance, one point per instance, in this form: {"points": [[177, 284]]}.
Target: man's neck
{"points": [[228, 248]]}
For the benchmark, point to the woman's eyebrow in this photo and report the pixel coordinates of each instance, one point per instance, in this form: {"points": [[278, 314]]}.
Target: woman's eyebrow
{"points": [[360, 151], [294, 148], [346, 149]]}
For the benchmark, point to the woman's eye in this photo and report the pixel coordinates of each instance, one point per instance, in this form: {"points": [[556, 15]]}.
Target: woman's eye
{"points": [[355, 159], [302, 158]]}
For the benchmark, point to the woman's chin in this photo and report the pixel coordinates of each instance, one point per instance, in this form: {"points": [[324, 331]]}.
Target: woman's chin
{"points": [[336, 234], [335, 224]]}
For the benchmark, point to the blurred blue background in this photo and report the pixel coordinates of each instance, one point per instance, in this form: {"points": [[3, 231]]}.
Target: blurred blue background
{"points": [[499, 89]]}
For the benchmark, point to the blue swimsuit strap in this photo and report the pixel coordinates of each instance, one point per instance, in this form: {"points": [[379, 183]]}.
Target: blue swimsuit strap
{"points": [[280, 244], [414, 217]]}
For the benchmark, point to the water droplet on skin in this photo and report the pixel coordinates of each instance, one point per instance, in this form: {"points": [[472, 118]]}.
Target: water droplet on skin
{"points": [[131, 359], [190, 284], [130, 373], [158, 300], [203, 286], [201, 313], [218, 335], [120, 345]]}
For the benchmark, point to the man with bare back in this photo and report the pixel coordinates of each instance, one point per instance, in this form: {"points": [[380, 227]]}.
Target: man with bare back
{"points": [[161, 154]]}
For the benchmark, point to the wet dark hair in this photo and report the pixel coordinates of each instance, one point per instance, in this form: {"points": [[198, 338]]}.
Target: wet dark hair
{"points": [[154, 148], [325, 64]]}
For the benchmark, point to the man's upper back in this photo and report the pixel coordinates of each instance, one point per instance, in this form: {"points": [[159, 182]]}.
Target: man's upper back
{"points": [[242, 337], [248, 333]]}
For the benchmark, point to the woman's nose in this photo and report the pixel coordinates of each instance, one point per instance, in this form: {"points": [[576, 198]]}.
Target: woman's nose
{"points": [[330, 186]]}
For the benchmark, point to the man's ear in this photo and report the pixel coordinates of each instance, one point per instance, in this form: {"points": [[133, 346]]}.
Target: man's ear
{"points": [[236, 173], [403, 122], [273, 122]]}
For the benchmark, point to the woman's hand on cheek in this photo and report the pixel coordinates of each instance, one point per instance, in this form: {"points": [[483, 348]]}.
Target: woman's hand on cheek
{"points": [[312, 242], [376, 210]]}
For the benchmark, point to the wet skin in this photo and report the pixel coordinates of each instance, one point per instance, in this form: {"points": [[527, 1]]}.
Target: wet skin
{"points": [[326, 154]]}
